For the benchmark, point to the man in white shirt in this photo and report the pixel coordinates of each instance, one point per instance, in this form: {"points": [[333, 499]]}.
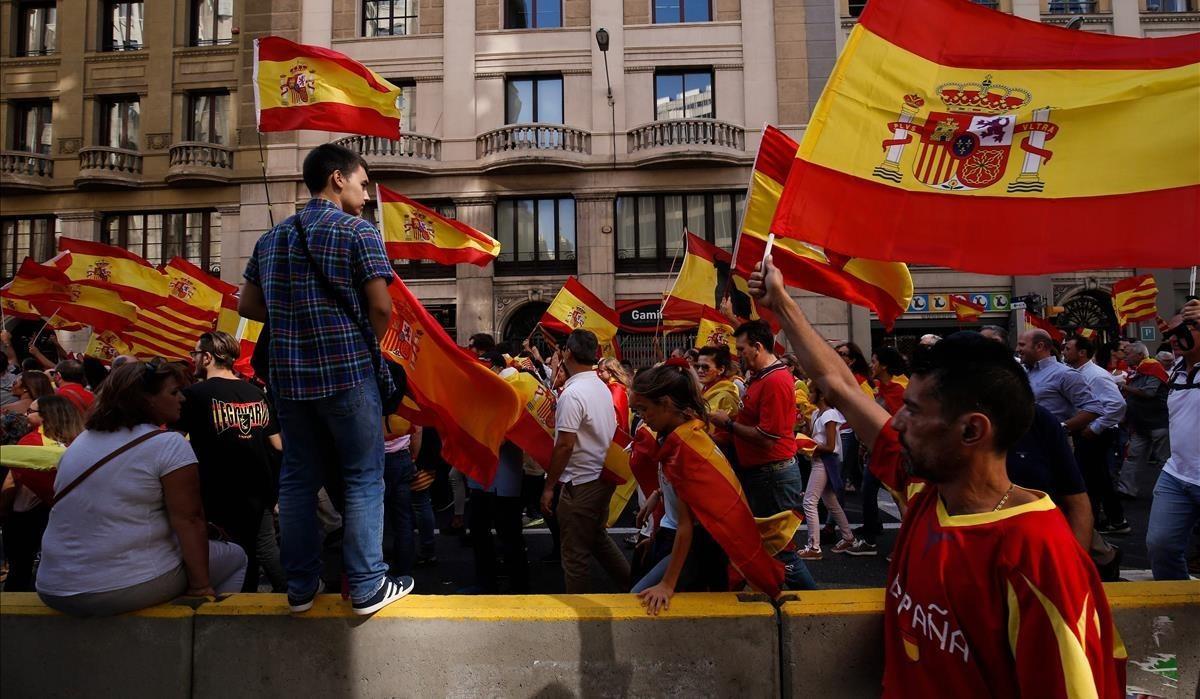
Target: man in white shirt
{"points": [[1176, 506], [584, 424], [1094, 442]]}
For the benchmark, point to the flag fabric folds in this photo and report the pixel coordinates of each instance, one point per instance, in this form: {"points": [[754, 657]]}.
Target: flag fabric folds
{"points": [[311, 87], [945, 122], [964, 310], [884, 287], [472, 408], [194, 287], [1034, 321], [170, 330], [117, 269], [1135, 298], [415, 232], [715, 330], [35, 282], [576, 307], [534, 429], [703, 277], [88, 305], [244, 330]]}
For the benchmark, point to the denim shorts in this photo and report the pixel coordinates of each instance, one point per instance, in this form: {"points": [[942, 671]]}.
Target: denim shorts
{"points": [[773, 488]]}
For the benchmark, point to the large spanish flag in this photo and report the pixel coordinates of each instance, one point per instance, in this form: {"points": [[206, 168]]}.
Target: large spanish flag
{"points": [[884, 287], [704, 480], [414, 232], [575, 307], [952, 134], [195, 287], [715, 330], [117, 269], [102, 309], [706, 274], [471, 408], [311, 87], [1135, 298], [965, 311]]}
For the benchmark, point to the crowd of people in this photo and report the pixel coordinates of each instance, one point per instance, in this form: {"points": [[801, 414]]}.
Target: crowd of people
{"points": [[1010, 471]]}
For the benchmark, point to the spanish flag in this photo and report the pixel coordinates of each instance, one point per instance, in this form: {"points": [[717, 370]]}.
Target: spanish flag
{"points": [[1135, 298], [703, 277], [311, 87], [106, 346], [471, 408], [34, 282], [576, 307], [117, 269], [195, 287], [89, 305], [244, 330], [884, 287], [414, 232], [715, 330], [1037, 322], [965, 311], [704, 480], [952, 134]]}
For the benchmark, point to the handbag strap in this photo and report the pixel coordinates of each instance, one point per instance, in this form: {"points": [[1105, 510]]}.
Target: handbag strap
{"points": [[120, 450]]}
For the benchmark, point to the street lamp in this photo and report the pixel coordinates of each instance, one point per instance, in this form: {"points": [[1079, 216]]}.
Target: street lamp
{"points": [[602, 44]]}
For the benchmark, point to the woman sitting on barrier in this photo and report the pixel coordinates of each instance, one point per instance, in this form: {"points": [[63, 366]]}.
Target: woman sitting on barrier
{"points": [[127, 528]]}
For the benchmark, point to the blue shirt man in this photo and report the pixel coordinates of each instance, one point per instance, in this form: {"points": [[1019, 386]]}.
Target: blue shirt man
{"points": [[1057, 387]]}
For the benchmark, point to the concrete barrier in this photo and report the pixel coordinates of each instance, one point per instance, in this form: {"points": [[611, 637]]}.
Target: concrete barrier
{"points": [[831, 641], [46, 654], [526, 646]]}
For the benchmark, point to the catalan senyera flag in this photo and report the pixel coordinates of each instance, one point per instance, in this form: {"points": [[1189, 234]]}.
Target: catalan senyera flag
{"points": [[576, 307], [117, 269], [415, 232], [965, 311], [194, 286], [952, 134], [704, 480], [169, 330], [704, 276], [311, 87], [1037, 322], [471, 408], [884, 287], [1135, 298], [715, 330]]}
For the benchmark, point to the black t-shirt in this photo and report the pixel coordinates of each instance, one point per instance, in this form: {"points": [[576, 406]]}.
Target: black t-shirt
{"points": [[1042, 459], [229, 422]]}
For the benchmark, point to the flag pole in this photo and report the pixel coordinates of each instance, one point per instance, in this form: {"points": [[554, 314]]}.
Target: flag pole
{"points": [[658, 330], [262, 162], [737, 242]]}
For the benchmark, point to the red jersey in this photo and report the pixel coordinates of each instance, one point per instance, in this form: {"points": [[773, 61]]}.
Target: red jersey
{"points": [[993, 604], [769, 406], [77, 394], [40, 482], [891, 393]]}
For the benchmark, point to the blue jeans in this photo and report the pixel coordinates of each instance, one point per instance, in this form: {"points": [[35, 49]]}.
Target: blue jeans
{"points": [[771, 489], [422, 503], [343, 431], [398, 508], [1173, 513]]}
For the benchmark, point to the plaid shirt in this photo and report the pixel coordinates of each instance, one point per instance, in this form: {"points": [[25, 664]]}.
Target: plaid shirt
{"points": [[316, 350]]}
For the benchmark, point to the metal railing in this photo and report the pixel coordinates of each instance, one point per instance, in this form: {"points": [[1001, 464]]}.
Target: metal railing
{"points": [[521, 137], [687, 132], [409, 145], [189, 154], [117, 161], [26, 164]]}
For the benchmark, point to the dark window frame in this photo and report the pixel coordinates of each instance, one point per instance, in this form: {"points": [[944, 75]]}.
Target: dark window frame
{"points": [[11, 256], [558, 265], [124, 218], [410, 25], [23, 9], [418, 269], [194, 31], [104, 122], [189, 131], [681, 16], [21, 111], [682, 73], [107, 40], [509, 17], [663, 261], [534, 79]]}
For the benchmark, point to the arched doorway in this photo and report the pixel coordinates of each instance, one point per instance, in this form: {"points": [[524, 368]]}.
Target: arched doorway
{"points": [[1090, 308], [522, 322]]}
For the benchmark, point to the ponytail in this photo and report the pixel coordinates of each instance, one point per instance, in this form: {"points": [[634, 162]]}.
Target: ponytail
{"points": [[674, 380]]}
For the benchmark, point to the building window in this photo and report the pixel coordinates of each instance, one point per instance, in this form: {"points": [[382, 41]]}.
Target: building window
{"points": [[389, 17], [1072, 7], [684, 94], [32, 132], [25, 237], [674, 11], [208, 117], [123, 26], [120, 119], [1170, 5], [407, 102], [532, 14], [158, 237], [37, 24], [534, 100], [650, 228], [417, 269], [856, 7], [212, 22], [537, 236], [993, 4]]}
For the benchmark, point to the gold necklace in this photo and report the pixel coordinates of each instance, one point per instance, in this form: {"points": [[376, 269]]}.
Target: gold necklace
{"points": [[1005, 498]]}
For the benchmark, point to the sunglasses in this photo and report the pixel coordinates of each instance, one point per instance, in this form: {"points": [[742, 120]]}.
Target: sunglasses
{"points": [[31, 411]]}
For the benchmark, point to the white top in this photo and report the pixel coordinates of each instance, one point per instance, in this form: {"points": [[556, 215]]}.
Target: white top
{"points": [[820, 419], [1104, 387], [670, 500], [1183, 408], [585, 408], [112, 530], [391, 446]]}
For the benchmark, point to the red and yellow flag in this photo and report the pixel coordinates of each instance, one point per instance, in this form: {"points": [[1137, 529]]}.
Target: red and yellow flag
{"points": [[575, 307], [195, 287], [884, 287], [704, 480], [1037, 322], [116, 269], [102, 309], [715, 330], [35, 282], [106, 346], [703, 277], [964, 310], [311, 87], [414, 232], [534, 429], [472, 408], [244, 330], [952, 134], [1135, 298], [169, 330]]}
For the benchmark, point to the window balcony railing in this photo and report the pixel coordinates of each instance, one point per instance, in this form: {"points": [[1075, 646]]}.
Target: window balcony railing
{"points": [[196, 160], [687, 132], [410, 146], [23, 169], [533, 137], [103, 164]]}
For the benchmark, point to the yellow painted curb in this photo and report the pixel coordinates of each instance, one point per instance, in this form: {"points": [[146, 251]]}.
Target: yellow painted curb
{"points": [[29, 604]]}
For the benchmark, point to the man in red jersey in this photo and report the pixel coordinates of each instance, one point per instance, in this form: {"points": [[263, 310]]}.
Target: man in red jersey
{"points": [[989, 593]]}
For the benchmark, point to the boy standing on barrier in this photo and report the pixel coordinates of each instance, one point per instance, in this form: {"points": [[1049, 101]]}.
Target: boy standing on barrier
{"points": [[989, 593]]}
